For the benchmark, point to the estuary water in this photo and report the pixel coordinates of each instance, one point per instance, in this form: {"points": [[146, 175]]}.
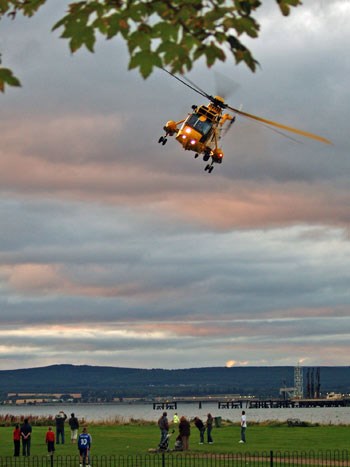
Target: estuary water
{"points": [[126, 411]]}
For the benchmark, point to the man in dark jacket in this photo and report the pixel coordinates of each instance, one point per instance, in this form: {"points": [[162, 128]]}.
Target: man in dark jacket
{"points": [[60, 419], [201, 427], [164, 427], [74, 427], [26, 435]]}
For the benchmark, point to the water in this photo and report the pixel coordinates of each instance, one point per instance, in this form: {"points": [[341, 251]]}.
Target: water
{"points": [[144, 411]]}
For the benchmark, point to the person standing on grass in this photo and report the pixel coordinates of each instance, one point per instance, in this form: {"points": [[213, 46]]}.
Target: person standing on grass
{"points": [[184, 432], [26, 434], [74, 427], [243, 427], [50, 441], [209, 425], [16, 440], [60, 419], [164, 427], [84, 446]]}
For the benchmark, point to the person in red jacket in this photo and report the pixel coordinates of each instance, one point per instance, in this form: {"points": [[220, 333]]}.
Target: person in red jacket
{"points": [[50, 441], [17, 440]]}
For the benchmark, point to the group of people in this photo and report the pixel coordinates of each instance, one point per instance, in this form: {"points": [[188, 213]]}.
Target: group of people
{"points": [[182, 440], [24, 433]]}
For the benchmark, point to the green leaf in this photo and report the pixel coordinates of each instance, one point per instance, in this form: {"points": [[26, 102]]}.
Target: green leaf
{"points": [[247, 58], [145, 61], [136, 11], [7, 77], [112, 25], [212, 53], [286, 4], [31, 7], [101, 25], [216, 14], [246, 25], [139, 39], [199, 52], [165, 31]]}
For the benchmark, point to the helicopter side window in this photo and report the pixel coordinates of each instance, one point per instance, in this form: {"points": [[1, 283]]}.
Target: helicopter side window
{"points": [[199, 125]]}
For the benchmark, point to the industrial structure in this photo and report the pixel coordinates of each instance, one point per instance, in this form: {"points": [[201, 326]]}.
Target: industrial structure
{"points": [[298, 382], [313, 384]]}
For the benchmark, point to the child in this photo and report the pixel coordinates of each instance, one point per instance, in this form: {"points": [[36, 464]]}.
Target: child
{"points": [[84, 445], [178, 444], [50, 441]]}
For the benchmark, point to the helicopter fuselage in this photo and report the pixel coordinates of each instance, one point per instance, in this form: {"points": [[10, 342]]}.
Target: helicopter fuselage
{"points": [[200, 132]]}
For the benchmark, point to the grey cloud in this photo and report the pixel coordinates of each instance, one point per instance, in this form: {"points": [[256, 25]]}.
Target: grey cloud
{"points": [[149, 272], [275, 337]]}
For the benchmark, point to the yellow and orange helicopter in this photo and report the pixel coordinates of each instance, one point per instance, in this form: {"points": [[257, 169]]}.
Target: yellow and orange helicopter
{"points": [[202, 129]]}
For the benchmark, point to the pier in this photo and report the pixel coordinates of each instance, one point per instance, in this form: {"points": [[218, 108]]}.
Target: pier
{"points": [[300, 403], [164, 405], [244, 403], [231, 404]]}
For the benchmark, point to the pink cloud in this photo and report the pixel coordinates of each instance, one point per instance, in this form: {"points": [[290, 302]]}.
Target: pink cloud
{"points": [[83, 158], [244, 206], [34, 278]]}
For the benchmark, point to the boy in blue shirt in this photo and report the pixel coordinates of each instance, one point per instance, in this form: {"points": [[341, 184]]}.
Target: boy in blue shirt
{"points": [[84, 445]]}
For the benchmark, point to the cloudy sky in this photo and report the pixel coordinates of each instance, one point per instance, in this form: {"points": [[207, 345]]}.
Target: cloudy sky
{"points": [[115, 250]]}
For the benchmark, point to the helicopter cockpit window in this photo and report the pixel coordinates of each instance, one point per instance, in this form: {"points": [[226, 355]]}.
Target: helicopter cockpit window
{"points": [[196, 122]]}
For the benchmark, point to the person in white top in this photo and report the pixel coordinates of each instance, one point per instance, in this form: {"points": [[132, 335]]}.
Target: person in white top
{"points": [[243, 426]]}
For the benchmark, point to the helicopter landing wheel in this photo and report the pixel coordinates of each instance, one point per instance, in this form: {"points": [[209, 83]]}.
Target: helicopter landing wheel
{"points": [[161, 139], [164, 141], [207, 167], [211, 169], [206, 157], [196, 155]]}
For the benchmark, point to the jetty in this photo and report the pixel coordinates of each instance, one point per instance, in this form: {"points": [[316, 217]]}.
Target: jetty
{"points": [[164, 405], [254, 403], [296, 403]]}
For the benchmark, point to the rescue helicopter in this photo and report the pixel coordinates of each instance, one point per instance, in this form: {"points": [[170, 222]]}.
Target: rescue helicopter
{"points": [[203, 128]]}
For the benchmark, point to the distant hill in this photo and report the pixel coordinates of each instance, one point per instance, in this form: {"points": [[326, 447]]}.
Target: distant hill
{"points": [[132, 382]]}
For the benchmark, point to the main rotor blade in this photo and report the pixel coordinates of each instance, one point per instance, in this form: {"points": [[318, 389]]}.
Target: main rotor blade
{"points": [[199, 91], [283, 127]]}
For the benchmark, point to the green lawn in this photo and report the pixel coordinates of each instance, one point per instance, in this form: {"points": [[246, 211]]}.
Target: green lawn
{"points": [[137, 439]]}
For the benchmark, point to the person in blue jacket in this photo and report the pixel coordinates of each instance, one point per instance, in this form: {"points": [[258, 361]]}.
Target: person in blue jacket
{"points": [[84, 446]]}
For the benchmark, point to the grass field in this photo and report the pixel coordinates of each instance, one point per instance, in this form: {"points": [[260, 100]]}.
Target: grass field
{"points": [[132, 439]]}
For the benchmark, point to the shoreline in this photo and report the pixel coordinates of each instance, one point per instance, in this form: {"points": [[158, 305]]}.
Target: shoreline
{"points": [[127, 411]]}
